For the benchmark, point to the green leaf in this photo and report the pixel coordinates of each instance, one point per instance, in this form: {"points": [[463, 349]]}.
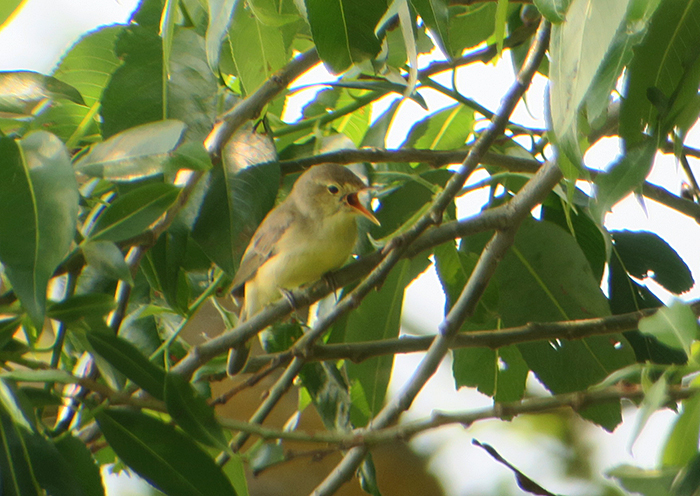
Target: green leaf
{"points": [[134, 94], [48, 375], [682, 443], [343, 30], [89, 306], [675, 325], [192, 89], [625, 175], [628, 35], [22, 91], [192, 413], [545, 277], [257, 50], [659, 62], [7, 9], [234, 204], [646, 482], [655, 397], [220, 12], [273, 12], [133, 212], [379, 317], [162, 455], [687, 483], [575, 62], [136, 153], [87, 66], [446, 129], [38, 214], [436, 17], [192, 156], [128, 360], [553, 10], [107, 258], [470, 25], [12, 407], [15, 467], [645, 254], [82, 464]]}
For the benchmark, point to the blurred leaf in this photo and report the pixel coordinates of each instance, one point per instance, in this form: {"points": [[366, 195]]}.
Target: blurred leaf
{"points": [[8, 328], [553, 10], [403, 203], [12, 407], [257, 50], [15, 467], [192, 156], [545, 277], [134, 94], [164, 269], [192, 413], [675, 325], [47, 375], [659, 62], [22, 91], [682, 443], [162, 455], [625, 175], [90, 306], [645, 254], [470, 25], [7, 9], [87, 66], [377, 132], [629, 34], [643, 481], [436, 17], [233, 206], [446, 129], [687, 483], [575, 62], [379, 317], [128, 360], [587, 234], [273, 12], [38, 214], [266, 455], [343, 30], [135, 153], [368, 476], [132, 213], [107, 258], [655, 397], [81, 463], [220, 12], [192, 89]]}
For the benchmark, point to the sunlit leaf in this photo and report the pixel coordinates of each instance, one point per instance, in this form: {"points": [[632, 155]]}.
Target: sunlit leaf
{"points": [[22, 91], [675, 325]]}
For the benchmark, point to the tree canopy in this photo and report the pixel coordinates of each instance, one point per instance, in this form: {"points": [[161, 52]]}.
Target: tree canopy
{"points": [[133, 176]]}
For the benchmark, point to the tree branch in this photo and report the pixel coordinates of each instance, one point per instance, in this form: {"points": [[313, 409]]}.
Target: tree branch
{"points": [[520, 205], [494, 339], [504, 411]]}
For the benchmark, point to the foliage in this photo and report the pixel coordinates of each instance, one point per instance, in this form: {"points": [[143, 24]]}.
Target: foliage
{"points": [[133, 176]]}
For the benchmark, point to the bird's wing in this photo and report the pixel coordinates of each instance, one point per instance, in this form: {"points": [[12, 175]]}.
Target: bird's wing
{"points": [[262, 245]]}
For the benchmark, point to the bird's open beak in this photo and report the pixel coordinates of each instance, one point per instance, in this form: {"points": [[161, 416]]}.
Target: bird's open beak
{"points": [[354, 202]]}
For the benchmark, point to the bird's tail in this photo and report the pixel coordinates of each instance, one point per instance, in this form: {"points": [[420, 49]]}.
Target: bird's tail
{"points": [[237, 358]]}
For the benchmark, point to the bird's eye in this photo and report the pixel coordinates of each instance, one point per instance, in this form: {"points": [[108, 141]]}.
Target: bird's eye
{"points": [[333, 189]]}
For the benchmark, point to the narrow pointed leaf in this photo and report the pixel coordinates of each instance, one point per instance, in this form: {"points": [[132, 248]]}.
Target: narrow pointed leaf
{"points": [[128, 360], [192, 413], [107, 258], [22, 91], [162, 455], [132, 213], [38, 214], [89, 306]]}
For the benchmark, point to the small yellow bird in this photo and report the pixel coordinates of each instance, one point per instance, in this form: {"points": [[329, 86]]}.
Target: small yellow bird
{"points": [[310, 233]]}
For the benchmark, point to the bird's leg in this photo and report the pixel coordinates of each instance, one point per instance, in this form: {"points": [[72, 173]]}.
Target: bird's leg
{"points": [[300, 313], [329, 278]]}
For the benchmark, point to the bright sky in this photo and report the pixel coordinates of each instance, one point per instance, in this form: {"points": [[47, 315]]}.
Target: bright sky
{"points": [[35, 39]]}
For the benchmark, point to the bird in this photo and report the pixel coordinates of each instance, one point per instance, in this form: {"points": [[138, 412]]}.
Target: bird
{"points": [[312, 232]]}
